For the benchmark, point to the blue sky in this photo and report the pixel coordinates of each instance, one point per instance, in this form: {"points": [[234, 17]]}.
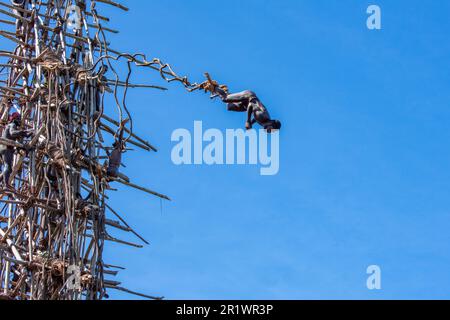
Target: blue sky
{"points": [[365, 154]]}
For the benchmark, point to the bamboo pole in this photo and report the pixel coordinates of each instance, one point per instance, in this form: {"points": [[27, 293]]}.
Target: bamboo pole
{"points": [[56, 211]]}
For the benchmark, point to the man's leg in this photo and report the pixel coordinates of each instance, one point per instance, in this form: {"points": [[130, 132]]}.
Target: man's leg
{"points": [[123, 177], [236, 107], [8, 158], [3, 168]]}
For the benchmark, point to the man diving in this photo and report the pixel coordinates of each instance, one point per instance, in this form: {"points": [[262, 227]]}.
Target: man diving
{"points": [[245, 101]]}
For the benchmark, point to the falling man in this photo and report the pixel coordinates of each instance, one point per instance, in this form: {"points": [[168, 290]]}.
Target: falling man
{"points": [[246, 101]]}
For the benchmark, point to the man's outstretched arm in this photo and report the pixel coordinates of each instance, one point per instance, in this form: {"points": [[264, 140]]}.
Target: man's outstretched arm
{"points": [[249, 123], [17, 133]]}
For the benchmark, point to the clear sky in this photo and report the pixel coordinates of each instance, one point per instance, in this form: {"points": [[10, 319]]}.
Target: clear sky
{"points": [[365, 153]]}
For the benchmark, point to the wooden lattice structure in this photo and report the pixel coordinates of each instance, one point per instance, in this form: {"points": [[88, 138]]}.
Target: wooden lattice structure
{"points": [[55, 217]]}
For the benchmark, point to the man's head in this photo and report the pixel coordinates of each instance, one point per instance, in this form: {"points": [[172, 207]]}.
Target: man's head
{"points": [[14, 118], [273, 125], [103, 69], [118, 145]]}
